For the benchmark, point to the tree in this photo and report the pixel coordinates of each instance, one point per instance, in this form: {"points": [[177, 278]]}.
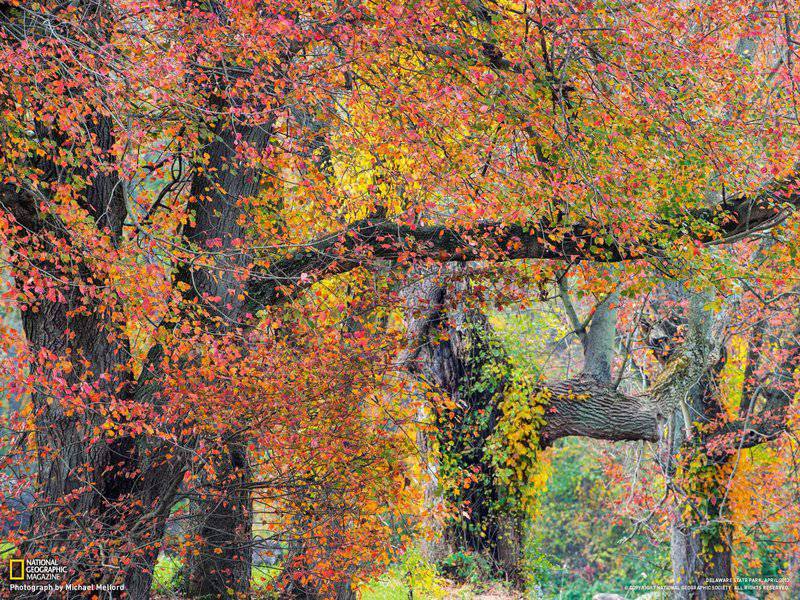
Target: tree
{"points": [[453, 349], [141, 142], [688, 416]]}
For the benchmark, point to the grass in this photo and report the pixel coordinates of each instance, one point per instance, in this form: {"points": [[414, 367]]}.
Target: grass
{"points": [[166, 574], [393, 586], [262, 575], [412, 577], [387, 587]]}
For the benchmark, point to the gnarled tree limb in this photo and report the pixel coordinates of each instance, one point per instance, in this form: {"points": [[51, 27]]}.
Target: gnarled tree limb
{"points": [[368, 240]]}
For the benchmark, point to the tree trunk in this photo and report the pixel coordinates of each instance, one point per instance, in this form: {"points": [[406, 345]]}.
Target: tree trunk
{"points": [[700, 538], [221, 566], [224, 528], [701, 561], [455, 350], [89, 482], [701, 531]]}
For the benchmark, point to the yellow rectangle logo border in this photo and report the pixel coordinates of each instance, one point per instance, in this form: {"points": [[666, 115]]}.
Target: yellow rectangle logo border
{"points": [[13, 562]]}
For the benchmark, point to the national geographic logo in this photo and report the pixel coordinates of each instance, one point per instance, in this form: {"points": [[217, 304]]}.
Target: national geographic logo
{"points": [[16, 569], [45, 575], [35, 569]]}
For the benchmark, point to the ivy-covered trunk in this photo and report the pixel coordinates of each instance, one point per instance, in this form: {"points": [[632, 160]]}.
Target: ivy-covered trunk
{"points": [[480, 522], [702, 529], [459, 355]]}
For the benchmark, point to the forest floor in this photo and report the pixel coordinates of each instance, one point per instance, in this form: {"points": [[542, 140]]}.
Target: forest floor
{"points": [[390, 586], [495, 592]]}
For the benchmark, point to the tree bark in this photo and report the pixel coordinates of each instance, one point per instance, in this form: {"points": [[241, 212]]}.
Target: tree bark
{"points": [[589, 407], [701, 565], [701, 530], [224, 509], [223, 563], [81, 483], [85, 482], [454, 349]]}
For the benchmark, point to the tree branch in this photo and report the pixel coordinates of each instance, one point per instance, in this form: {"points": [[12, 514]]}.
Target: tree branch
{"points": [[367, 240], [588, 407]]}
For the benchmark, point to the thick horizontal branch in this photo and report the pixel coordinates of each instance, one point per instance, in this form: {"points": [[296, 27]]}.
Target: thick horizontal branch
{"points": [[491, 240], [588, 407], [384, 240]]}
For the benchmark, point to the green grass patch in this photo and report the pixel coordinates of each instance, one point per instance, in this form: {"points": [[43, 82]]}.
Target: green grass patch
{"points": [[412, 577], [166, 573], [262, 575]]}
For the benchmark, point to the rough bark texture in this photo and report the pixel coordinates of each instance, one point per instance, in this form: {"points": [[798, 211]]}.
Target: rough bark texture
{"points": [[81, 484], [591, 406], [223, 565], [453, 350], [695, 567], [701, 533], [701, 460], [588, 407], [224, 515]]}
